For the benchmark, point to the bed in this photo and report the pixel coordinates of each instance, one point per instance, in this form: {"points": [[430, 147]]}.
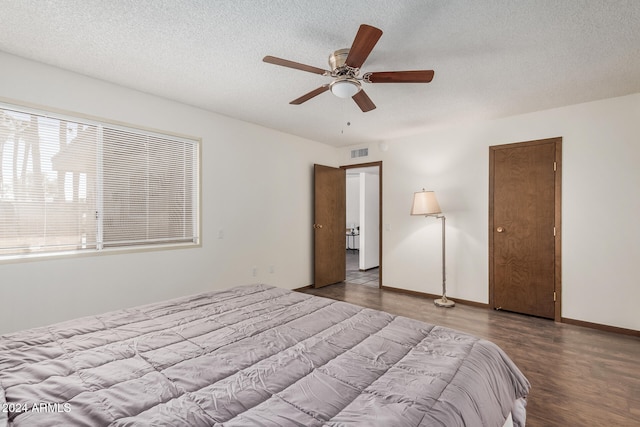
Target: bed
{"points": [[255, 355]]}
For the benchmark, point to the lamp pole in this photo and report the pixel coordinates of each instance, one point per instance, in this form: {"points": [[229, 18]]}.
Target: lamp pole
{"points": [[444, 301]]}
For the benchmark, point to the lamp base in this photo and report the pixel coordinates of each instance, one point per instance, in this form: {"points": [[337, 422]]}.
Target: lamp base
{"points": [[444, 302]]}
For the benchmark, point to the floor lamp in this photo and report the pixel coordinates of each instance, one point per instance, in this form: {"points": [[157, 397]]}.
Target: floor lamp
{"points": [[425, 203]]}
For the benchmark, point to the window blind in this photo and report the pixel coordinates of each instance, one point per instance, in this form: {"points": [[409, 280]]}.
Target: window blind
{"points": [[68, 184]]}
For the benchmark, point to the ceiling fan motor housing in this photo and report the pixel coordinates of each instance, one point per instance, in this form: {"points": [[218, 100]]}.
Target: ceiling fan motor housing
{"points": [[337, 62], [345, 84]]}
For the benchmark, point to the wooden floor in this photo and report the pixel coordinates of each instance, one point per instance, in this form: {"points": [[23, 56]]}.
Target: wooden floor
{"points": [[579, 376]]}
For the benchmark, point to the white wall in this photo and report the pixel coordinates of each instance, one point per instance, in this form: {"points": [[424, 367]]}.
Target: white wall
{"points": [[369, 221], [238, 160], [353, 208], [600, 206]]}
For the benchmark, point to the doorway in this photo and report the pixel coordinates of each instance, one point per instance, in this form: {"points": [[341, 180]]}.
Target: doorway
{"points": [[524, 227], [363, 214]]}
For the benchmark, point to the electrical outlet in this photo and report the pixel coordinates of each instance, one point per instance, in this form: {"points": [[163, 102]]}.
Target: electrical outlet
{"points": [[254, 271], [272, 269]]}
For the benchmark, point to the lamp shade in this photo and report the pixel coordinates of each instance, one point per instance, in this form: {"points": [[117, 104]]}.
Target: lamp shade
{"points": [[425, 203]]}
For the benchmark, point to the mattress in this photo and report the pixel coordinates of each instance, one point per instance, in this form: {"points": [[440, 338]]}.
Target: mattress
{"points": [[255, 355]]}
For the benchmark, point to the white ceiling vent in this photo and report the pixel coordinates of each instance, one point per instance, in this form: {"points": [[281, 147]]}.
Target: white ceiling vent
{"points": [[360, 152]]}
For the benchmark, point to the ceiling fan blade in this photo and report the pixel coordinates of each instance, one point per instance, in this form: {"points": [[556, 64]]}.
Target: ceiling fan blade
{"points": [[418, 76], [308, 96], [295, 65], [363, 44], [364, 102]]}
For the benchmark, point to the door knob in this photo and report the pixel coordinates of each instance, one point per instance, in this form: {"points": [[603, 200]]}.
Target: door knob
{"points": [[500, 229], [316, 226]]}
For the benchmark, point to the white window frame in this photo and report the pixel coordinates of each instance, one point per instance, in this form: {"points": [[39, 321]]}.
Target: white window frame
{"points": [[149, 245]]}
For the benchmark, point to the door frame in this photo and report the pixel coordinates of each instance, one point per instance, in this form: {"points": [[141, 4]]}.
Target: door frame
{"points": [[365, 165], [557, 312]]}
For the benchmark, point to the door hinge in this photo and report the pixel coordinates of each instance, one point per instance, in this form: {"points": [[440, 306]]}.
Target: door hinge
{"points": [[554, 231], [554, 296], [555, 166]]}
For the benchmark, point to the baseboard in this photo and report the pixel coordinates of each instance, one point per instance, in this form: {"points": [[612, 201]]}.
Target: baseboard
{"points": [[598, 326], [606, 328], [433, 296]]}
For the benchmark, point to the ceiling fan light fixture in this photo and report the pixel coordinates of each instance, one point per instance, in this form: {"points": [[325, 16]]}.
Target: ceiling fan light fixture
{"points": [[345, 88]]}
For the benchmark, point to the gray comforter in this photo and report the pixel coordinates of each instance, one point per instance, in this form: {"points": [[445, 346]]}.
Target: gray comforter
{"points": [[254, 356]]}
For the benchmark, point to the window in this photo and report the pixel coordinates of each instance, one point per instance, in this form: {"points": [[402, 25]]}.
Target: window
{"points": [[70, 184]]}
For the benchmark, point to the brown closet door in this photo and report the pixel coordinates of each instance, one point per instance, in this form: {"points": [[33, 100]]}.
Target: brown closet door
{"points": [[523, 227]]}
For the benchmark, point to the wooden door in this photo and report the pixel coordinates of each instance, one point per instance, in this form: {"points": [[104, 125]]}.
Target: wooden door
{"points": [[329, 226], [524, 227]]}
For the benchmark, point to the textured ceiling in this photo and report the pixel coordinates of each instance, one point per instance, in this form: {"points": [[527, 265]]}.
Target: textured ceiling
{"points": [[492, 58]]}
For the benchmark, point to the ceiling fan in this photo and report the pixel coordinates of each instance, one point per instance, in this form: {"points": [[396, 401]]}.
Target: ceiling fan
{"points": [[345, 71]]}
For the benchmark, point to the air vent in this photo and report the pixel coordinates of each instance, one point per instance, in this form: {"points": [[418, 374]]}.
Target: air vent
{"points": [[360, 152]]}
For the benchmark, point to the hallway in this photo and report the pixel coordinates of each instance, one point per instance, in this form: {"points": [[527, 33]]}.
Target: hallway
{"points": [[354, 275]]}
